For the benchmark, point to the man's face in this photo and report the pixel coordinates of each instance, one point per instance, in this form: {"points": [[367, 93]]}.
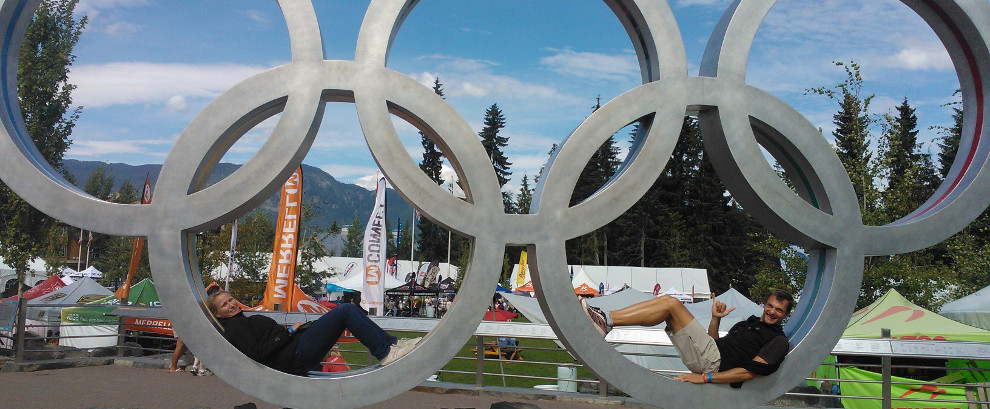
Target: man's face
{"points": [[774, 311], [226, 306]]}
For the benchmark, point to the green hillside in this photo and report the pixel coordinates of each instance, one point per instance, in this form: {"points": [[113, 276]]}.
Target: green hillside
{"points": [[332, 199]]}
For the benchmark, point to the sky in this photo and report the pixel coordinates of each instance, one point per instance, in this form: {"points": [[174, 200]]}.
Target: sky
{"points": [[145, 68]]}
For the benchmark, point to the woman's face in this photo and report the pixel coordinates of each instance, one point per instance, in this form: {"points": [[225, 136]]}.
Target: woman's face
{"points": [[226, 306]]}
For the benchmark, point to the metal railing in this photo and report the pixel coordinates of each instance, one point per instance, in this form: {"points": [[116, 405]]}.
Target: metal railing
{"points": [[488, 360]]}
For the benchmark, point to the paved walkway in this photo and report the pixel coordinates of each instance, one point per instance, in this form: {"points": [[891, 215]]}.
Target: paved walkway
{"points": [[120, 386]]}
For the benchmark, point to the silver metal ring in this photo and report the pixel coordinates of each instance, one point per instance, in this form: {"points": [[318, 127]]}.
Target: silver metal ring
{"points": [[736, 118]]}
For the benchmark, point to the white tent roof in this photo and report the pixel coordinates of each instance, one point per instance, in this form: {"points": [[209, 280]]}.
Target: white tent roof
{"points": [[90, 272], [81, 291], [514, 279], [356, 282], [581, 277], [688, 280], [973, 309]]}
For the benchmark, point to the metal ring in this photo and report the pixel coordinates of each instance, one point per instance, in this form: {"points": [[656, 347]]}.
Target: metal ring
{"points": [[822, 215]]}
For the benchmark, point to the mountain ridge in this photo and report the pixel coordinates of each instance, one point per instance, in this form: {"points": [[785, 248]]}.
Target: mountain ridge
{"points": [[332, 200]]}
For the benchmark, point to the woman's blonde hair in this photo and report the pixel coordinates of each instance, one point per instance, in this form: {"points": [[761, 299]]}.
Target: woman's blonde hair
{"points": [[211, 302]]}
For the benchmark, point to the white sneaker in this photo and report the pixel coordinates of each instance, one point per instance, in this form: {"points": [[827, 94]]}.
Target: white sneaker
{"points": [[399, 349]]}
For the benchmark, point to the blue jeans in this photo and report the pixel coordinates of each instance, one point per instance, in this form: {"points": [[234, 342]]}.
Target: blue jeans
{"points": [[322, 334]]}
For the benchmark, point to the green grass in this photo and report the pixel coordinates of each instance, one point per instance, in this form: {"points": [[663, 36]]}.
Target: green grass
{"points": [[532, 363]]}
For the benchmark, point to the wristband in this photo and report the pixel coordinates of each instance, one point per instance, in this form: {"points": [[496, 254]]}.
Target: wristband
{"points": [[291, 330], [709, 377]]}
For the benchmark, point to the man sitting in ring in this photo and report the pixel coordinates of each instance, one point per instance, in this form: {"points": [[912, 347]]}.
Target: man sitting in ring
{"points": [[752, 347]]}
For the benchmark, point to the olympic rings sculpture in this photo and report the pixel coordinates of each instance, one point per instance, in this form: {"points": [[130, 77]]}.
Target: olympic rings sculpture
{"points": [[736, 119]]}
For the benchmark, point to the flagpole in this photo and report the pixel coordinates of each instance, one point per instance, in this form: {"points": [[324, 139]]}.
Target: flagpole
{"points": [[412, 240], [230, 261], [89, 245], [449, 236], [79, 259]]}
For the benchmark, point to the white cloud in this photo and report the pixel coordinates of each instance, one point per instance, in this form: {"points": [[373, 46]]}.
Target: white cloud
{"points": [[177, 103], [687, 3], [119, 28], [473, 78], [99, 148], [360, 175], [110, 25], [93, 7], [102, 85], [258, 16], [921, 57], [596, 66], [369, 182]]}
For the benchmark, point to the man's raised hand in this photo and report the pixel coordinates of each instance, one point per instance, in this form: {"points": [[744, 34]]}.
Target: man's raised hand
{"points": [[719, 309]]}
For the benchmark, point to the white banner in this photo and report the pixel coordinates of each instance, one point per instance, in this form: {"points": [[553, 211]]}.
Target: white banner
{"points": [[375, 236]]}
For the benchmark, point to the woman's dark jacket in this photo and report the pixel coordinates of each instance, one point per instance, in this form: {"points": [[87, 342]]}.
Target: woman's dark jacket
{"points": [[261, 339]]}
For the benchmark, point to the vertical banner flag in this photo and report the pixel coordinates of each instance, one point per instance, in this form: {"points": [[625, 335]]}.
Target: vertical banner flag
{"points": [[282, 273], [230, 260], [521, 274], [138, 246], [373, 291]]}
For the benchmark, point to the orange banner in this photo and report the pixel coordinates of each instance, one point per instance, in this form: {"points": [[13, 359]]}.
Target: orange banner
{"points": [[282, 273], [303, 303], [138, 242]]}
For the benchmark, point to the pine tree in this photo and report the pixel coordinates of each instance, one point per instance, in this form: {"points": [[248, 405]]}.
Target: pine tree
{"points": [[852, 134], [525, 196], [494, 143], [592, 248], [432, 243], [539, 174], [45, 96], [354, 239], [950, 140], [910, 175]]}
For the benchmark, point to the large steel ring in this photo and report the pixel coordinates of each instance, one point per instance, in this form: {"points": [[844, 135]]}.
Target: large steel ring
{"points": [[736, 118]]}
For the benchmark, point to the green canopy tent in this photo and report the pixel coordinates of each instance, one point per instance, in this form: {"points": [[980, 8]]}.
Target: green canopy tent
{"points": [[97, 326], [906, 320]]}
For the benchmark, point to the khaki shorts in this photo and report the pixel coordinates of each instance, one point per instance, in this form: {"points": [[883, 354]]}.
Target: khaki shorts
{"points": [[697, 349]]}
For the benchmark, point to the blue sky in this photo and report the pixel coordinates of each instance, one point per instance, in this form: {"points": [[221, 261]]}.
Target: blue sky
{"points": [[145, 68]]}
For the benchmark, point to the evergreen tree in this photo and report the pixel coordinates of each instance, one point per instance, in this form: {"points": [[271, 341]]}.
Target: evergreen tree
{"points": [[902, 156], [950, 139], [494, 143], [852, 134], [539, 175], [354, 239], [45, 96], [432, 243], [112, 254], [592, 248], [525, 197], [910, 175]]}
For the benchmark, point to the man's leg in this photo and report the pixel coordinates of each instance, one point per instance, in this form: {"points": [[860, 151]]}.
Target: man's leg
{"points": [[652, 312], [316, 341]]}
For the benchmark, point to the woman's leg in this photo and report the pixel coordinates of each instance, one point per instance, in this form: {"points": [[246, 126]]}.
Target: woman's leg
{"points": [[180, 348], [316, 341]]}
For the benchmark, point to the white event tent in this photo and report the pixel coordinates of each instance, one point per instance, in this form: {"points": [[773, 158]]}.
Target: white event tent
{"points": [[692, 282], [973, 309]]}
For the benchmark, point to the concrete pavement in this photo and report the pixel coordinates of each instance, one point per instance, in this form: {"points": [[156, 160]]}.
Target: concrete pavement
{"points": [[123, 386]]}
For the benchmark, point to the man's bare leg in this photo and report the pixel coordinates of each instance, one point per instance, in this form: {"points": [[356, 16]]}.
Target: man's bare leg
{"points": [[652, 312]]}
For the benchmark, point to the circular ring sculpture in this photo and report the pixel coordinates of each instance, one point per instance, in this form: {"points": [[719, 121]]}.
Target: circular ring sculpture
{"points": [[736, 120]]}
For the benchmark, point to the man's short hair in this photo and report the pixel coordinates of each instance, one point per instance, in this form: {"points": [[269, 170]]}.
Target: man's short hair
{"points": [[783, 295]]}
